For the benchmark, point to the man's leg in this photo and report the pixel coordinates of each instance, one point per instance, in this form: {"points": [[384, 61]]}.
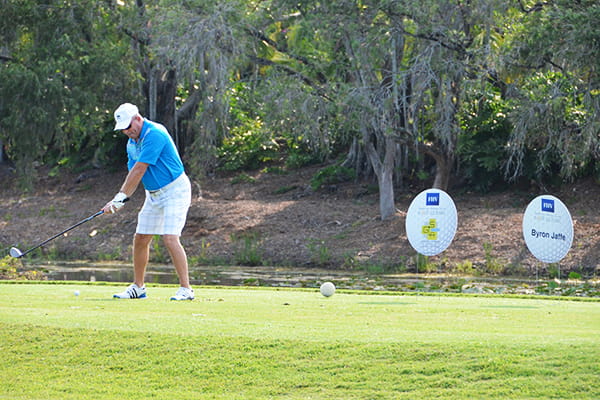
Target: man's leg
{"points": [[141, 255], [179, 258]]}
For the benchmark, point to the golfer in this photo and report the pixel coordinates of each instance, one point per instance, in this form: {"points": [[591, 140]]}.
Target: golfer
{"points": [[154, 161]]}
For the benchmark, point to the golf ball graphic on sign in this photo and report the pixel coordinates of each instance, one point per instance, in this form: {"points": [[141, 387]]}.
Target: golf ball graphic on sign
{"points": [[327, 289], [548, 229], [431, 222]]}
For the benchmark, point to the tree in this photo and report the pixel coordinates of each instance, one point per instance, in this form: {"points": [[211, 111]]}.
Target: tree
{"points": [[401, 69], [555, 65], [62, 65], [196, 45]]}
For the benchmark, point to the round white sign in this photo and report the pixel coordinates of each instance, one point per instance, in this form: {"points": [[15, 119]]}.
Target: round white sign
{"points": [[548, 229], [431, 222]]}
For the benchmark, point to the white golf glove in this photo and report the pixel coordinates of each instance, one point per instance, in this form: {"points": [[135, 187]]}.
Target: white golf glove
{"points": [[117, 202]]}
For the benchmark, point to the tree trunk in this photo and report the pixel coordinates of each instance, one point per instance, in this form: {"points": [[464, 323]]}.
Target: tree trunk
{"points": [[165, 101], [443, 170], [387, 207], [184, 116], [385, 176], [152, 89], [357, 160]]}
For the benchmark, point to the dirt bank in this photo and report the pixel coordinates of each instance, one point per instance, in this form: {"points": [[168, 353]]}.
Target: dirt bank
{"points": [[276, 219]]}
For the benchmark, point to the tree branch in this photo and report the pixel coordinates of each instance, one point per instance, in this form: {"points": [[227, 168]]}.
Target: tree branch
{"points": [[441, 39], [262, 37], [534, 8], [403, 137], [292, 72], [136, 37], [186, 110]]}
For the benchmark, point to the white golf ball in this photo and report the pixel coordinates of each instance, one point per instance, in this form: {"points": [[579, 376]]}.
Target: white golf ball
{"points": [[76, 293], [327, 289]]}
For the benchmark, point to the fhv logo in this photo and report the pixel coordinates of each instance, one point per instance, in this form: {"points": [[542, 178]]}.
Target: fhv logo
{"points": [[548, 205], [432, 199]]}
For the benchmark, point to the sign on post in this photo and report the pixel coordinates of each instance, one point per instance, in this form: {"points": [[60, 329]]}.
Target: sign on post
{"points": [[431, 222], [548, 229]]}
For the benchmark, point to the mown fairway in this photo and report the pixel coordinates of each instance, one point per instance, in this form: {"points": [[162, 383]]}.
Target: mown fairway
{"points": [[236, 343]]}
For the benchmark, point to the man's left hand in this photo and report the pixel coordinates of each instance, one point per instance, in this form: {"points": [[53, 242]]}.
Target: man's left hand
{"points": [[116, 203]]}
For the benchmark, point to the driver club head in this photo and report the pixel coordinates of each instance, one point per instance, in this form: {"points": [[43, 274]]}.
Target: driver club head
{"points": [[16, 253]]}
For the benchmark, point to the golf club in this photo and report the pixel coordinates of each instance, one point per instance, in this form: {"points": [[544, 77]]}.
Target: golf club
{"points": [[16, 253]]}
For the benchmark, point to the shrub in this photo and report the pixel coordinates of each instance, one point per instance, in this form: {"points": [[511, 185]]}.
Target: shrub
{"points": [[248, 249], [319, 252], [331, 175], [247, 148]]}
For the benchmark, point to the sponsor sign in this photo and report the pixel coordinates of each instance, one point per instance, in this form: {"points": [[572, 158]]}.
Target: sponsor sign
{"points": [[548, 229], [431, 222]]}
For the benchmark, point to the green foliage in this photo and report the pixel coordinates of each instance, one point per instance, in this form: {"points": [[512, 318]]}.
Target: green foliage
{"points": [[331, 175], [65, 64], [554, 271], [257, 137], [375, 266], [9, 269], [248, 250], [492, 264], [203, 255], [285, 189], [465, 267], [574, 275], [483, 139], [159, 255], [274, 169], [242, 178], [319, 252], [555, 117], [297, 159], [247, 147], [423, 264], [114, 255], [548, 126], [267, 81]]}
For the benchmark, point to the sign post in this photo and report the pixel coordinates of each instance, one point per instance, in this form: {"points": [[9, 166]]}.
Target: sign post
{"points": [[431, 222], [548, 229]]}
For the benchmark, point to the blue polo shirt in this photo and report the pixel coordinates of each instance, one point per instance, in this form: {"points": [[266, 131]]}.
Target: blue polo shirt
{"points": [[156, 148]]}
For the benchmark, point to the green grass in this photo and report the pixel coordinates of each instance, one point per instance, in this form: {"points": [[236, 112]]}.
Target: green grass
{"points": [[243, 343]]}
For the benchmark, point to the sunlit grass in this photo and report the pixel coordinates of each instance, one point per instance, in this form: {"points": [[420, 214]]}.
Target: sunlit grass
{"points": [[293, 344]]}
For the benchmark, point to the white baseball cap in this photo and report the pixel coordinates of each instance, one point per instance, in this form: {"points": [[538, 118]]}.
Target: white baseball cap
{"points": [[124, 114]]}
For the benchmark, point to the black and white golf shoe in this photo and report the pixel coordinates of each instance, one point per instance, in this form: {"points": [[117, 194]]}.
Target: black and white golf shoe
{"points": [[132, 292]]}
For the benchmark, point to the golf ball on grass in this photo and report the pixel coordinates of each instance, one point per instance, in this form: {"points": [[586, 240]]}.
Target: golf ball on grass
{"points": [[327, 289], [76, 293]]}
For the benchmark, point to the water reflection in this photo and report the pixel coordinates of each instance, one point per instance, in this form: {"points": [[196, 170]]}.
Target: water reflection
{"points": [[264, 276], [224, 276], [313, 278]]}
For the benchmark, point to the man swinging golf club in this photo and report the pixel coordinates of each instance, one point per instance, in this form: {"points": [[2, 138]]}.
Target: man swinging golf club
{"points": [[153, 160]]}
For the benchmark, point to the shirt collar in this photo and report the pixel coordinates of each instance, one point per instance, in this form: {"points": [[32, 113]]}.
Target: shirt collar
{"points": [[143, 132]]}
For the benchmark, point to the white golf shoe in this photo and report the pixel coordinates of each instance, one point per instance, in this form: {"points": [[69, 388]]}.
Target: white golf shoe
{"points": [[132, 292], [184, 293]]}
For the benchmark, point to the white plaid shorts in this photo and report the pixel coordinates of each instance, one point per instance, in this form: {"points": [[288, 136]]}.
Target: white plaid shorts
{"points": [[165, 210]]}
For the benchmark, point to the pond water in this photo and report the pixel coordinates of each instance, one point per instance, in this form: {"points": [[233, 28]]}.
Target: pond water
{"points": [[220, 276], [277, 277]]}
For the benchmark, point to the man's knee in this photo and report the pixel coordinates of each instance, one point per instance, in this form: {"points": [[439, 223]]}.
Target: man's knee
{"points": [[140, 239], [171, 240]]}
